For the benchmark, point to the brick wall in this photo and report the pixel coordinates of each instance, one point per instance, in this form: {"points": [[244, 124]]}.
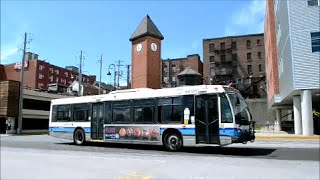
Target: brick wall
{"points": [[146, 64], [271, 51]]}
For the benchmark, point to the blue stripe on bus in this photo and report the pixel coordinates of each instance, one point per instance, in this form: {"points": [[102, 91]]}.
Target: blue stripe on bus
{"points": [[233, 132], [222, 131], [67, 129]]}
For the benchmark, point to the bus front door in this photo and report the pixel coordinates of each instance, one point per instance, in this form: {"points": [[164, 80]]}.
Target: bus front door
{"points": [[207, 119], [97, 121]]}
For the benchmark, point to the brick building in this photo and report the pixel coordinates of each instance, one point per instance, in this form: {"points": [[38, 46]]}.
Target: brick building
{"points": [[237, 59], [38, 73], [172, 67]]}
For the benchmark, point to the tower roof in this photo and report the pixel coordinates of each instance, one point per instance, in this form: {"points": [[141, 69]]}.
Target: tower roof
{"points": [[146, 28], [189, 71]]}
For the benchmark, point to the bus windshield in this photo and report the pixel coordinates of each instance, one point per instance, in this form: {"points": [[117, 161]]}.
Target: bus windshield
{"points": [[239, 106]]}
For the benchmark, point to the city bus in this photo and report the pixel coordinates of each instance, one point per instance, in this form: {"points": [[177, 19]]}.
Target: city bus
{"points": [[202, 115]]}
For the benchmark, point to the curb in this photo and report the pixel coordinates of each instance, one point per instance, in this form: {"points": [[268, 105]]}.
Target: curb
{"points": [[287, 137]]}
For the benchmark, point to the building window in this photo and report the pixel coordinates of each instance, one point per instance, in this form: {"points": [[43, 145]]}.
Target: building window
{"points": [[51, 70], [223, 71], [72, 76], [234, 57], [174, 68], [259, 55], [249, 69], [222, 46], [212, 59], [173, 79], [66, 74], [41, 67], [57, 79], [234, 45], [260, 68], [258, 42], [165, 80], [248, 44], [211, 47], [212, 72], [313, 2], [223, 57], [41, 76], [57, 71], [165, 68], [249, 56], [51, 78], [315, 41]]}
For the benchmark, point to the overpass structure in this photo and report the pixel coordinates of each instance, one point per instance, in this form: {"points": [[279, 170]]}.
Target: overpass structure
{"points": [[35, 111]]}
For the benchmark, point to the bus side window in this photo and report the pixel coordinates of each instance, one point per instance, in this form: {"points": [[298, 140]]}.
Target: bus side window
{"points": [[143, 111], [122, 112], [80, 112], [64, 113], [170, 110]]}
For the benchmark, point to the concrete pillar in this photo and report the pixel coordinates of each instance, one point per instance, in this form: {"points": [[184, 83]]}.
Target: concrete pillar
{"points": [[306, 113], [297, 115], [277, 123]]}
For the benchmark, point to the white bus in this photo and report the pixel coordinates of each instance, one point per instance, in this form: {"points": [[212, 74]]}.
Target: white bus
{"points": [[173, 117]]}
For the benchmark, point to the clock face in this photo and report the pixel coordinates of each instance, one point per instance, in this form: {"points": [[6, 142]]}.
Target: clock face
{"points": [[139, 47], [154, 47]]}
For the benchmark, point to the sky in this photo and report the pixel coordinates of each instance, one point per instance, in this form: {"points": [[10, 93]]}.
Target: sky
{"points": [[59, 30]]}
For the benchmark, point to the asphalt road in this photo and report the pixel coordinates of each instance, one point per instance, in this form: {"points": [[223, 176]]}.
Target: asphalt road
{"points": [[44, 157]]}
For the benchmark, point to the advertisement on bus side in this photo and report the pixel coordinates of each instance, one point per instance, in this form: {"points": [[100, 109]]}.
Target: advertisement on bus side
{"points": [[132, 133]]}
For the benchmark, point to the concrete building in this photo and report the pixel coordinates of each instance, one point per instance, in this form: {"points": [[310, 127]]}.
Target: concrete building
{"points": [[39, 74], [172, 67], [294, 66], [237, 59], [146, 55]]}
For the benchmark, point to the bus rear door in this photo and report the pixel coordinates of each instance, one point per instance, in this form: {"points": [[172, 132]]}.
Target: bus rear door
{"points": [[97, 121], [207, 119]]}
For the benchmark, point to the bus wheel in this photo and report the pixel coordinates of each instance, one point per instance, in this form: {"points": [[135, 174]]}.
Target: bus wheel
{"points": [[173, 142], [79, 137]]}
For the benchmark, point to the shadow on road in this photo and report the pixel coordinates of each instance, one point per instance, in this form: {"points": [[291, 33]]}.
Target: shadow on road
{"points": [[232, 151]]}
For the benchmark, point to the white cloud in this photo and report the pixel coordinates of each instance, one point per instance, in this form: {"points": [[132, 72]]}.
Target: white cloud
{"points": [[7, 52], [249, 19]]}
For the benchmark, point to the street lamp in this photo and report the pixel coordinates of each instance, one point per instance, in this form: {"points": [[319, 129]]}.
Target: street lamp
{"points": [[109, 74]]}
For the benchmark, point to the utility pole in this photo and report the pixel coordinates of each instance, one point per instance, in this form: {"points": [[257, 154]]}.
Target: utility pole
{"points": [[19, 130], [119, 64], [100, 74], [80, 75], [128, 76]]}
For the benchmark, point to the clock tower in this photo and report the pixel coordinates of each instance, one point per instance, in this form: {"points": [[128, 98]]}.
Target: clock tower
{"points": [[146, 55]]}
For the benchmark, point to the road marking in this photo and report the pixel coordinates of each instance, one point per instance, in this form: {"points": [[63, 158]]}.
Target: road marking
{"points": [[134, 176]]}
